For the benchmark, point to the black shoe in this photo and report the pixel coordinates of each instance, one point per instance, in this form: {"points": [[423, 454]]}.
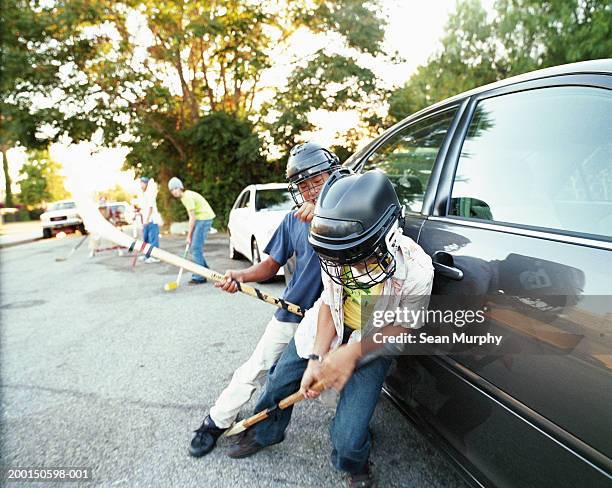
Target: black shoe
{"points": [[246, 446], [361, 480], [192, 282], [205, 438]]}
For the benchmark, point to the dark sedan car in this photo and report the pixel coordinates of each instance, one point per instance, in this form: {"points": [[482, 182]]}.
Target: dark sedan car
{"points": [[508, 188]]}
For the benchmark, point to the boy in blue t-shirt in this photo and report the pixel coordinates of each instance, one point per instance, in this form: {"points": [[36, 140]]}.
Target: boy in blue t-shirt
{"points": [[308, 168]]}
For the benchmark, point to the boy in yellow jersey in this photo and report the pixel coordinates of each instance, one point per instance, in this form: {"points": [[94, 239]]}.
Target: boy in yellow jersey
{"points": [[356, 300], [369, 265], [201, 216]]}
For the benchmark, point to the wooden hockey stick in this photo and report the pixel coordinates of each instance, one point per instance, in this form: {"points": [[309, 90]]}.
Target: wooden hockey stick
{"points": [[96, 222]]}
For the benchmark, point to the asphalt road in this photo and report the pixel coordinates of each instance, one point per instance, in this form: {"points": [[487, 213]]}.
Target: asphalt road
{"points": [[101, 368]]}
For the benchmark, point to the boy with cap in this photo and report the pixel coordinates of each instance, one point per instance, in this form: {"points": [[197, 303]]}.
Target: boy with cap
{"points": [[201, 216], [150, 216]]}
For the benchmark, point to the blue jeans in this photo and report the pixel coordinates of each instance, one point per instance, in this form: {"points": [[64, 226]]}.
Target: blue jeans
{"points": [[198, 239], [150, 234], [349, 429]]}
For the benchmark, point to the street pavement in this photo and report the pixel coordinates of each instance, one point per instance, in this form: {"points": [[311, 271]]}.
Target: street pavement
{"points": [[101, 368]]}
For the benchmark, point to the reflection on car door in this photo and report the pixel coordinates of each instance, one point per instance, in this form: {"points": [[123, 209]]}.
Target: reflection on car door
{"points": [[528, 229]]}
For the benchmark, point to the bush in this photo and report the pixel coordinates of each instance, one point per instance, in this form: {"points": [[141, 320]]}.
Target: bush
{"points": [[227, 157], [36, 213], [176, 210], [22, 215]]}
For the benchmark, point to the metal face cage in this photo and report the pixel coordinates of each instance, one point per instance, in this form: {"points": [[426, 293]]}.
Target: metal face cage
{"points": [[364, 273]]}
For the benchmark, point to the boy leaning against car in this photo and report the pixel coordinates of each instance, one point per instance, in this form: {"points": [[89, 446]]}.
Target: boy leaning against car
{"points": [[308, 168], [369, 266]]}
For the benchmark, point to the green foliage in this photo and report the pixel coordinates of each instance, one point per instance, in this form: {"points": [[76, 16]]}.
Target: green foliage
{"points": [[329, 80], [227, 157], [196, 58], [537, 34], [343, 16], [42, 181], [342, 152], [522, 36], [115, 194], [37, 40], [18, 26], [310, 88], [174, 209], [34, 186]]}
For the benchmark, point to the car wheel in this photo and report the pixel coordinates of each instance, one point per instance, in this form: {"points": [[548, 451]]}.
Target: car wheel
{"points": [[256, 257], [47, 233]]}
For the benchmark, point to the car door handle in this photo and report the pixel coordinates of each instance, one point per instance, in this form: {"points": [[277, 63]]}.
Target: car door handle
{"points": [[444, 264]]}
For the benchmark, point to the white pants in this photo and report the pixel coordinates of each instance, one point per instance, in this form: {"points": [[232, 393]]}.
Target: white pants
{"points": [[244, 381]]}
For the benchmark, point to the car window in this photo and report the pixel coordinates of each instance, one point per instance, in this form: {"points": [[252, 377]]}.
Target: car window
{"points": [[269, 200], [238, 201], [246, 202], [539, 158], [243, 200], [63, 206], [408, 157]]}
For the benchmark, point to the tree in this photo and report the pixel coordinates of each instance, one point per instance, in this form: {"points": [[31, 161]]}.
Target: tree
{"points": [[17, 64], [332, 80], [522, 36], [227, 157], [146, 72], [467, 59], [34, 48], [42, 181], [115, 194], [537, 34], [33, 186]]}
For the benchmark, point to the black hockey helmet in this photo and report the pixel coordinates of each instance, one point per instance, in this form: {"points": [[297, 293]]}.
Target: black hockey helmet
{"points": [[354, 228], [307, 161]]}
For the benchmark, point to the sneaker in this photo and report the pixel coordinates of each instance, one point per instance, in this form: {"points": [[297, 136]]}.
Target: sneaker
{"points": [[151, 260], [205, 438], [192, 282], [142, 258]]}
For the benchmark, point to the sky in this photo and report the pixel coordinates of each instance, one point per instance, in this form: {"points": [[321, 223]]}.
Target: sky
{"points": [[414, 30]]}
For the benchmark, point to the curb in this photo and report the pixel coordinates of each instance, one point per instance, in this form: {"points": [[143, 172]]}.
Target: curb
{"points": [[27, 241]]}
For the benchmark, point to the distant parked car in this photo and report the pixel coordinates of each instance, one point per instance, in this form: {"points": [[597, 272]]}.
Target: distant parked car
{"points": [[508, 188], [118, 213], [61, 216], [256, 214]]}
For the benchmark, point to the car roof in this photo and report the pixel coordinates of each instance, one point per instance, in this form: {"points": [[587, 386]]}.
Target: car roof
{"points": [[596, 66], [270, 186]]}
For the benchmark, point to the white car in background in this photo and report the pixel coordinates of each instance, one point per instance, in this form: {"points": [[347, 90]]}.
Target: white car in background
{"points": [[61, 216], [257, 212]]}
